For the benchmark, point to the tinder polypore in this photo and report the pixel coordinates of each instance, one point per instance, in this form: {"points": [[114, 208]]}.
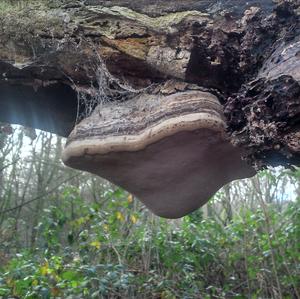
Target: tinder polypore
{"points": [[171, 152]]}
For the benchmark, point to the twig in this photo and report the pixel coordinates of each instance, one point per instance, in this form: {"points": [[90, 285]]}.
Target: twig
{"points": [[9, 164], [38, 197]]}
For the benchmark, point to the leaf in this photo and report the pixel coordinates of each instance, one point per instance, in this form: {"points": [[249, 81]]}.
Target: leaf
{"points": [[55, 291], [4, 291], [69, 275], [74, 284]]}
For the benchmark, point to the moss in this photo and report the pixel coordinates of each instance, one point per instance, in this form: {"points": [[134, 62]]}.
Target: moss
{"points": [[21, 28], [121, 22], [154, 23], [134, 47], [18, 5], [7, 6]]}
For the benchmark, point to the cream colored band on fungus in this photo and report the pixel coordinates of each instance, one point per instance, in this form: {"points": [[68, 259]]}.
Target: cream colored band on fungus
{"points": [[98, 146]]}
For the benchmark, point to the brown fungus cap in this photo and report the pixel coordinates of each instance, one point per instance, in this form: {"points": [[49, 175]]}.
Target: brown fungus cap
{"points": [[169, 151]]}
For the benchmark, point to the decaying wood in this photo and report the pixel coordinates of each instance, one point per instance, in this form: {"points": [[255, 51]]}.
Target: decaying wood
{"points": [[245, 52]]}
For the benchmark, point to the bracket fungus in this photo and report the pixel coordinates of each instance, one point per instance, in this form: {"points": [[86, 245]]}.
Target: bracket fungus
{"points": [[170, 151]]}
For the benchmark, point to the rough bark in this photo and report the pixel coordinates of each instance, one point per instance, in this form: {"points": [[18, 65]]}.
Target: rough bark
{"points": [[245, 52]]}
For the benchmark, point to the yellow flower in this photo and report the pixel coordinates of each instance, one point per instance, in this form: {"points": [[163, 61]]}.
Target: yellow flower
{"points": [[96, 244], [44, 269], [130, 198], [35, 283], [133, 219], [120, 216]]}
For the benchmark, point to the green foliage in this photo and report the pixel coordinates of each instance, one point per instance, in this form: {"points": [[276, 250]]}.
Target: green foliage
{"points": [[68, 235], [111, 254]]}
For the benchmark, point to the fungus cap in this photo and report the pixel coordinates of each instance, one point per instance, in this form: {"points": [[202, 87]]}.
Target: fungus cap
{"points": [[171, 151]]}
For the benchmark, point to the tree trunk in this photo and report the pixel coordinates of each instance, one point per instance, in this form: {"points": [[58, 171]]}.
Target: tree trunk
{"points": [[245, 52]]}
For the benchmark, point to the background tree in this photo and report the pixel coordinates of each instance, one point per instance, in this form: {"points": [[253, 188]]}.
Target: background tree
{"points": [[65, 233]]}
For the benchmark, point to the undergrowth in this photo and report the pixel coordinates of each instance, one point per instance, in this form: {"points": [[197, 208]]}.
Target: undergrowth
{"points": [[90, 253]]}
